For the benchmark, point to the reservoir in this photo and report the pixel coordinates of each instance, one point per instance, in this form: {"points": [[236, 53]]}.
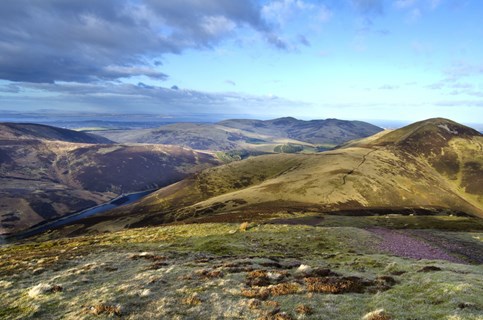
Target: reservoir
{"points": [[72, 218]]}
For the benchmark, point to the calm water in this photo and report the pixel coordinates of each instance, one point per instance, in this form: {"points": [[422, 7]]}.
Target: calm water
{"points": [[70, 219]]}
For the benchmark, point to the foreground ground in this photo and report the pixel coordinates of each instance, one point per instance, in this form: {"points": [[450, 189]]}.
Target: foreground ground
{"points": [[307, 268]]}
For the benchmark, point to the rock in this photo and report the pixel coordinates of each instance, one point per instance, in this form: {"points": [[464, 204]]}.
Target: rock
{"points": [[379, 314], [304, 269], [145, 293], [43, 288]]}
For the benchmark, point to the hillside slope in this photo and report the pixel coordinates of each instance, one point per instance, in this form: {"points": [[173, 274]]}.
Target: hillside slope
{"points": [[329, 131], [248, 134], [24, 131], [42, 179], [381, 176]]}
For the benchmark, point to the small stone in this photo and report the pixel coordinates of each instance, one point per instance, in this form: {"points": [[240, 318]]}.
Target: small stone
{"points": [[379, 314], [304, 269]]}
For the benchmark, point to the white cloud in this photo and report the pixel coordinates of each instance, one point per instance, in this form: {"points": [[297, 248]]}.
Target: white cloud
{"points": [[282, 12], [403, 4], [218, 25]]}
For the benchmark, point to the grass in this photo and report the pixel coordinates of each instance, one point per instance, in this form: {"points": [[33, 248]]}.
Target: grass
{"points": [[216, 269]]}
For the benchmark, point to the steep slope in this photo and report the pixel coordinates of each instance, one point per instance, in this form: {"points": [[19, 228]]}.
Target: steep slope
{"points": [[249, 134], [386, 175], [24, 131], [41, 179]]}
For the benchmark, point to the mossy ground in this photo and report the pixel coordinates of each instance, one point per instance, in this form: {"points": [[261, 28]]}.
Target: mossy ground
{"points": [[203, 271]]}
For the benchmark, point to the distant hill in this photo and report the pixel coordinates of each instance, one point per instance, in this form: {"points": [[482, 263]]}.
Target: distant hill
{"points": [[38, 131], [42, 176], [249, 134], [431, 166], [329, 131]]}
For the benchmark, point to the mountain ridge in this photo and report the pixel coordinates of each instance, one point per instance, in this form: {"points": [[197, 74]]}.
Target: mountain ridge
{"points": [[357, 178], [10, 130], [262, 135]]}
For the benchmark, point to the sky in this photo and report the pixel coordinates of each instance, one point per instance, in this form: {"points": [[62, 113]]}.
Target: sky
{"points": [[350, 59]]}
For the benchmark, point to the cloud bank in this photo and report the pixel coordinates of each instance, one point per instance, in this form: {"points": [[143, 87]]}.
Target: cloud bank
{"points": [[90, 40]]}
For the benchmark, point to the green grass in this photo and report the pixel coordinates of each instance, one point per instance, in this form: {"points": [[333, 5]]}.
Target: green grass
{"points": [[114, 277], [449, 223]]}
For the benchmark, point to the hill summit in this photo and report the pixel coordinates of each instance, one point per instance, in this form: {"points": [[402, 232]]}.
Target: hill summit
{"points": [[433, 166]]}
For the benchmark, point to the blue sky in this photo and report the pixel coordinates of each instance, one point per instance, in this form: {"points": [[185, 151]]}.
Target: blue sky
{"points": [[350, 59]]}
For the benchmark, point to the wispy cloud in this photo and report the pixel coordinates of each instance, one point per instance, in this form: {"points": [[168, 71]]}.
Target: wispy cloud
{"points": [[461, 69], [369, 7], [388, 87], [147, 98]]}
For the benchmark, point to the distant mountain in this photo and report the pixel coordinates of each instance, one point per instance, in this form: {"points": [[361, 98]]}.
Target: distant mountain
{"points": [[432, 166], [42, 177], [329, 131], [38, 131], [249, 134]]}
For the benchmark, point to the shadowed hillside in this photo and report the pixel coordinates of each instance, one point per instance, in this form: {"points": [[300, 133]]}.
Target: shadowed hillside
{"points": [[42, 179], [23, 131]]}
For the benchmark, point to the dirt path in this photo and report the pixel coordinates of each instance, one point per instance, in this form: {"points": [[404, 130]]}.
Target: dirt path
{"points": [[401, 243]]}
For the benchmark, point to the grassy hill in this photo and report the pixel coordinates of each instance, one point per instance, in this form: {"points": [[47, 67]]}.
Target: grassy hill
{"points": [[329, 131], [262, 271], [249, 134], [376, 230], [389, 174]]}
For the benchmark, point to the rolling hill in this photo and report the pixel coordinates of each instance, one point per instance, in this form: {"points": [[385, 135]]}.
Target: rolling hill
{"points": [[26, 131], [434, 166], [249, 134], [43, 174], [289, 259], [329, 131]]}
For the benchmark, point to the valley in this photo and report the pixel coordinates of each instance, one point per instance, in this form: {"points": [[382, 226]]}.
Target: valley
{"points": [[369, 230], [395, 171], [46, 175], [250, 134]]}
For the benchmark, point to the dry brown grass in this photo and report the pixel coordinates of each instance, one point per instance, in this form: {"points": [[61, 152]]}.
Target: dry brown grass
{"points": [[261, 294], [334, 285], [244, 226], [304, 309], [284, 289], [277, 316], [257, 278], [280, 289], [210, 274], [103, 308], [272, 304], [192, 300]]}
